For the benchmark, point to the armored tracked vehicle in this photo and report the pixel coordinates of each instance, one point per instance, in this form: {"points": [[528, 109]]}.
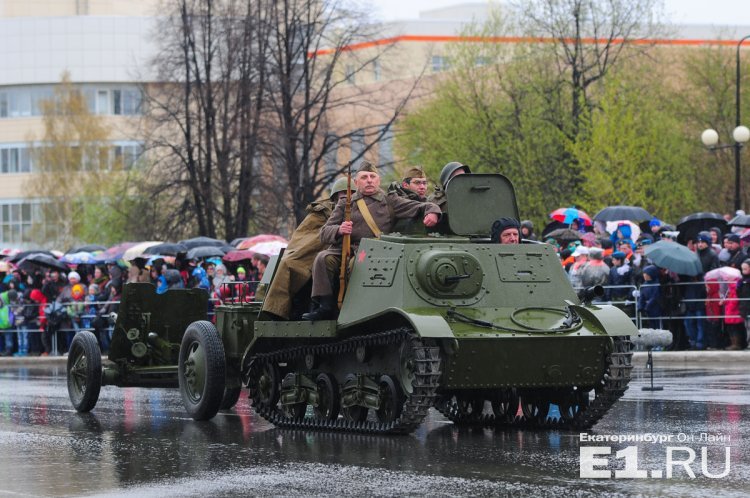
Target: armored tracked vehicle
{"points": [[485, 333]]}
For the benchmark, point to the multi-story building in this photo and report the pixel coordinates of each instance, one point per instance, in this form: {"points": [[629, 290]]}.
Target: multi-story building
{"points": [[105, 45]]}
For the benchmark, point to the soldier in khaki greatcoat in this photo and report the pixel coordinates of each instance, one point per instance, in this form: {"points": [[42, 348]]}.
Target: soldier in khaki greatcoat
{"points": [[412, 186], [384, 210], [295, 267]]}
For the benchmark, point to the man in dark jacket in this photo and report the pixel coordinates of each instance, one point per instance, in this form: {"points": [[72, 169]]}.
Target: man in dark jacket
{"points": [[736, 254], [708, 257]]}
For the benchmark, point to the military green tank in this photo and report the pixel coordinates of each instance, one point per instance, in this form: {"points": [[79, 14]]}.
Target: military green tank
{"points": [[485, 333]]}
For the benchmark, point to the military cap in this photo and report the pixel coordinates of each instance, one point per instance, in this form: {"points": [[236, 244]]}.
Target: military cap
{"points": [[366, 166], [415, 172]]}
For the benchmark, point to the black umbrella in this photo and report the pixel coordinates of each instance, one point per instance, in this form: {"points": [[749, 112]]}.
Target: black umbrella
{"points": [[690, 225], [616, 213], [205, 252], [237, 241], [18, 257], [166, 249], [203, 242], [564, 234], [742, 220], [552, 225], [87, 248], [42, 259], [674, 257]]}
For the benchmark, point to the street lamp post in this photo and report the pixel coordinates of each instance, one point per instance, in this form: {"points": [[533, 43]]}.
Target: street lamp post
{"points": [[740, 134]]}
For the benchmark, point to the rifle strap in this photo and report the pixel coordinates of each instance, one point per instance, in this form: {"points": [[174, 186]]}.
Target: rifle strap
{"points": [[368, 218]]}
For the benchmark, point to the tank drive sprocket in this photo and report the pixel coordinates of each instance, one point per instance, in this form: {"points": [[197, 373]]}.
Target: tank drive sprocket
{"points": [[418, 380]]}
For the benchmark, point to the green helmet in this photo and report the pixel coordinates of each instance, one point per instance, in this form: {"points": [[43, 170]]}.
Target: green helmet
{"points": [[448, 170], [338, 186]]}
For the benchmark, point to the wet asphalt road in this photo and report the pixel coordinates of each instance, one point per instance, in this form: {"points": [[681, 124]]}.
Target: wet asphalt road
{"points": [[139, 442]]}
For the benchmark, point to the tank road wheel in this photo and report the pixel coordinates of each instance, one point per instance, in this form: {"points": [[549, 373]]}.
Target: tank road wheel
{"points": [[391, 400], [201, 370], [84, 371], [231, 395], [535, 411], [269, 383], [328, 398], [294, 411]]}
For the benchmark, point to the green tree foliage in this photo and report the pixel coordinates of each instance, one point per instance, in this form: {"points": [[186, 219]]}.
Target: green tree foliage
{"points": [[83, 191], [632, 151]]}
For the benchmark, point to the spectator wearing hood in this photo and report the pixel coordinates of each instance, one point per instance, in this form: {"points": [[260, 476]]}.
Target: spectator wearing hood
{"points": [[620, 275], [654, 225], [7, 301], [199, 279], [649, 297], [527, 230], [623, 232]]}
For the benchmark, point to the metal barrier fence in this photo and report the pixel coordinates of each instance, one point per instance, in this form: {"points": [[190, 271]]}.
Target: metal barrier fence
{"points": [[629, 306]]}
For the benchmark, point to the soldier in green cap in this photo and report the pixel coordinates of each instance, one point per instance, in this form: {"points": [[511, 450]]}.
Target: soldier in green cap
{"points": [[372, 213], [412, 186], [295, 268]]}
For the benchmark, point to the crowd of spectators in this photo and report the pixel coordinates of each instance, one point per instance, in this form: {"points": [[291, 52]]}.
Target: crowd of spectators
{"points": [[701, 314], [41, 308]]}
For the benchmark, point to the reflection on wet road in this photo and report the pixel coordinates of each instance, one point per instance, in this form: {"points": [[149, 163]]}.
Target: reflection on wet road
{"points": [[139, 442]]}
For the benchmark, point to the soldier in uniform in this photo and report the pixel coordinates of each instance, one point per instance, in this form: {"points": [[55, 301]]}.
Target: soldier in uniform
{"points": [[295, 268], [383, 210], [506, 231], [413, 186], [438, 197]]}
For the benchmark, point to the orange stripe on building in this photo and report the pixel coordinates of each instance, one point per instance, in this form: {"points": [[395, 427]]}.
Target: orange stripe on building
{"points": [[517, 39]]}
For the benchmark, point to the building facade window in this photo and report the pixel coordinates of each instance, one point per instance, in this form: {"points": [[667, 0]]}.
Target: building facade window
{"points": [[16, 222], [25, 101], [20, 158], [357, 146], [376, 70], [385, 152], [439, 63], [349, 74], [15, 160]]}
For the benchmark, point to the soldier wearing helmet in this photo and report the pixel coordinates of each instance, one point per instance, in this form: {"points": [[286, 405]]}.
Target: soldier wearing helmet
{"points": [[295, 268], [453, 168]]}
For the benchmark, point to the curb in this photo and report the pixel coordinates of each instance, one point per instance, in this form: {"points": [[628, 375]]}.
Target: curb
{"points": [[639, 358]]}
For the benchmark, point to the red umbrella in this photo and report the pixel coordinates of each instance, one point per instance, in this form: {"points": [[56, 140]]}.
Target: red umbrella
{"points": [[240, 255], [257, 239], [569, 215]]}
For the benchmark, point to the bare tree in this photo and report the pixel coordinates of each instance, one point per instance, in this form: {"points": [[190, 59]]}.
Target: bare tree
{"points": [[589, 39], [316, 105], [207, 116]]}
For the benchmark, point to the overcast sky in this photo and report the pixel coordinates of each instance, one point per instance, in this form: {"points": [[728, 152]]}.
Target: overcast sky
{"points": [[718, 12]]}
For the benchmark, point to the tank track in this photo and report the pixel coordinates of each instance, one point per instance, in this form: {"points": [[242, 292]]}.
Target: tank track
{"points": [[427, 372], [614, 384]]}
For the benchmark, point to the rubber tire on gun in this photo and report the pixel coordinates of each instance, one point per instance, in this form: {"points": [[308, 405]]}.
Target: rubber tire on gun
{"points": [[202, 370], [84, 371]]}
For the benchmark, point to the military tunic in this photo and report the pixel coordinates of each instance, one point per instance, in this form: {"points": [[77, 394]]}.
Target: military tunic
{"points": [[385, 210], [295, 267]]}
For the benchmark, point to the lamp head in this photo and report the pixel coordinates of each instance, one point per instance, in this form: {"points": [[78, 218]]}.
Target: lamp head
{"points": [[710, 137]]}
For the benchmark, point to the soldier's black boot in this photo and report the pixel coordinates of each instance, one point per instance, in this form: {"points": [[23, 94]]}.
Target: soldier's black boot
{"points": [[325, 311]]}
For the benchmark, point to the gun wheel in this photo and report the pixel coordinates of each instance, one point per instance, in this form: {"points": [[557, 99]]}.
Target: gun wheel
{"points": [[84, 371], [202, 370]]}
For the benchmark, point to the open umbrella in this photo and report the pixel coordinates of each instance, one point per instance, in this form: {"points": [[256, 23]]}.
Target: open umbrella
{"points": [[9, 252], [238, 255], [271, 248], [78, 258], [257, 239], [635, 230], [723, 274], [166, 249], [674, 257], [690, 225], [44, 260], [569, 215], [87, 248], [202, 242], [114, 253], [614, 213], [742, 220], [204, 252], [19, 256], [137, 250], [563, 235]]}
